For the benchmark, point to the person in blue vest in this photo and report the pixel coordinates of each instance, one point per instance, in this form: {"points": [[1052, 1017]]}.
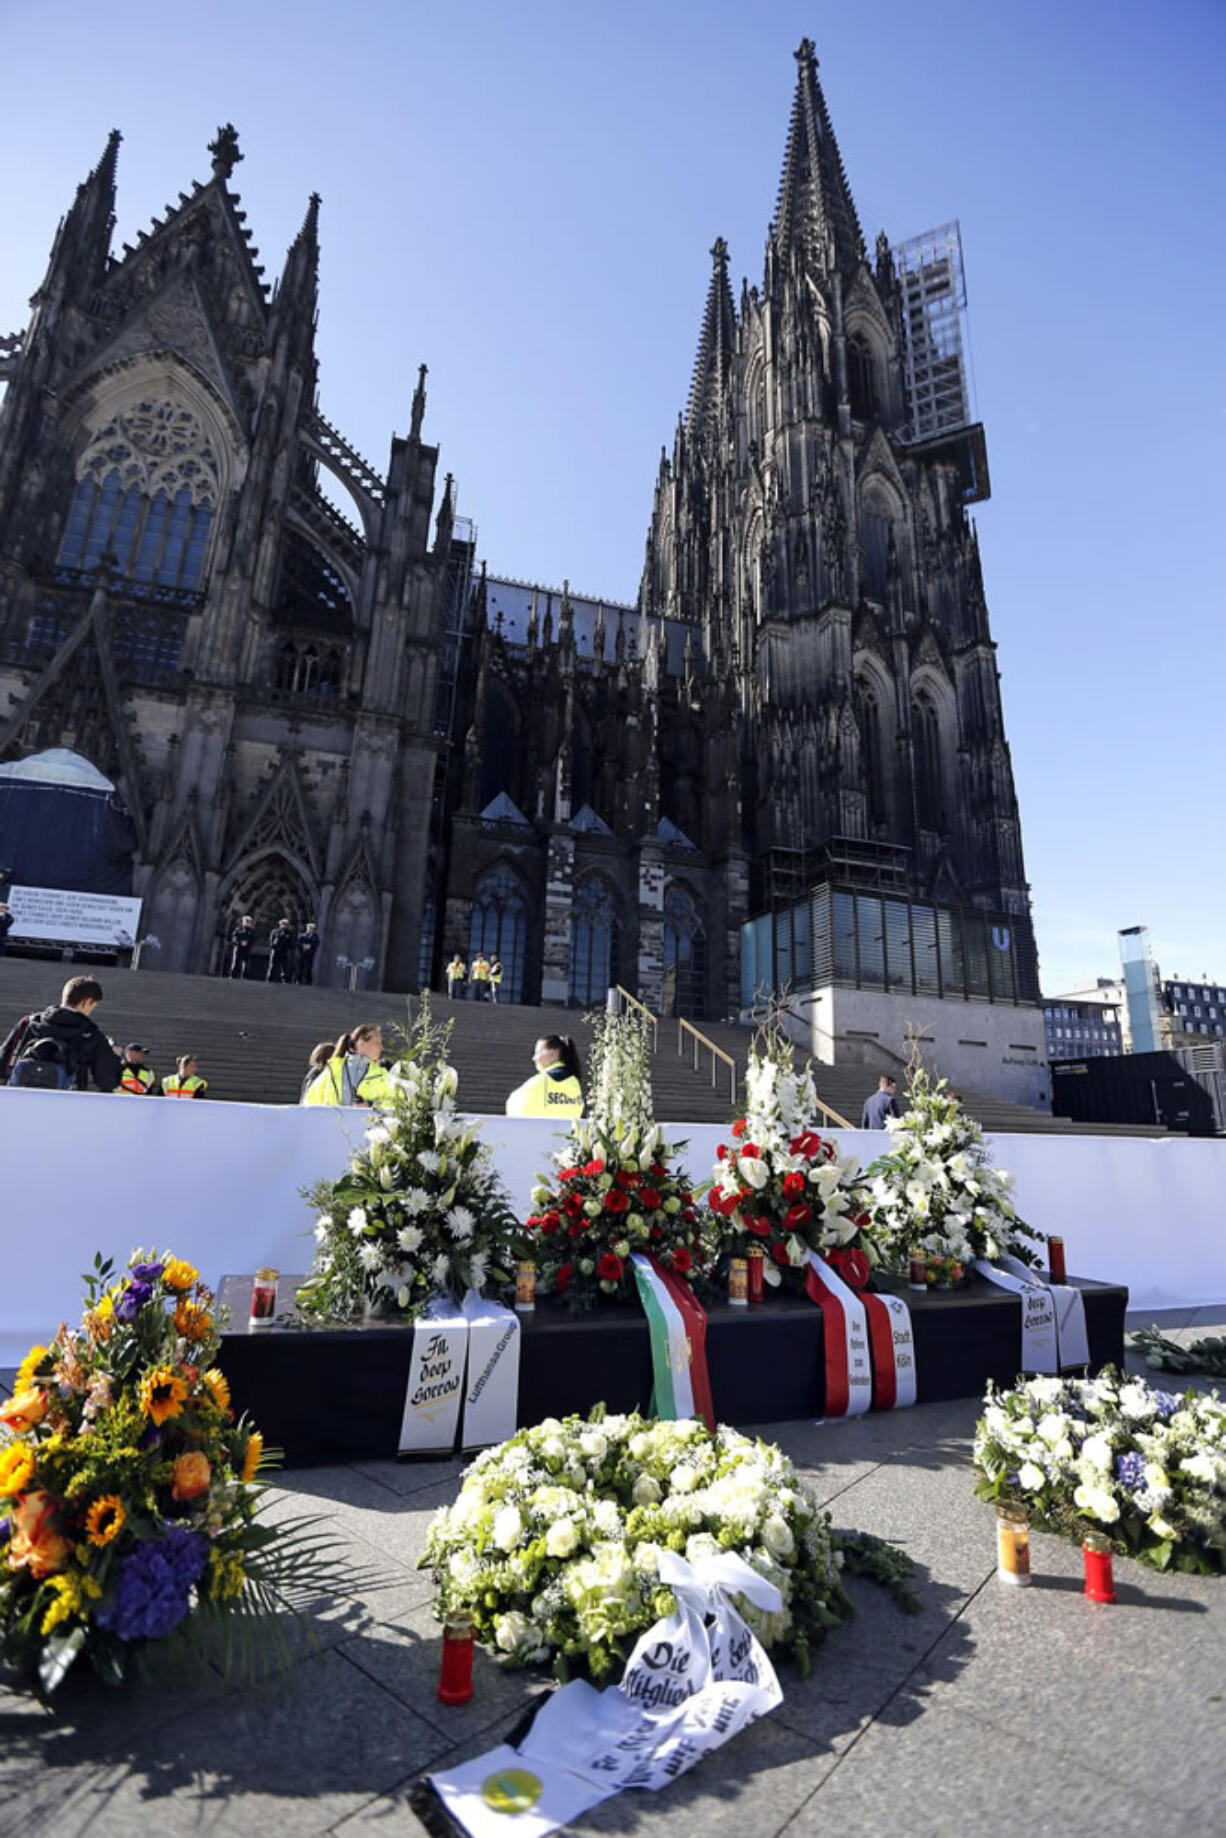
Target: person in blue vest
{"points": [[556, 1087], [882, 1104]]}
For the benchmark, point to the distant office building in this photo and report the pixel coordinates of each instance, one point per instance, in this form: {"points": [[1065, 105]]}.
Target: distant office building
{"points": [[1194, 1008], [1084, 1024]]}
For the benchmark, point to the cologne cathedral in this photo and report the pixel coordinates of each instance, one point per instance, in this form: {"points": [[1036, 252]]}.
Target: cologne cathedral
{"points": [[348, 718]]}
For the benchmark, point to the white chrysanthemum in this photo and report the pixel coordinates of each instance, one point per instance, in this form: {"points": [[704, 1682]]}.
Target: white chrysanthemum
{"points": [[370, 1256], [357, 1221], [460, 1222], [439, 1269], [416, 1200], [430, 1160], [409, 1238], [321, 1231]]}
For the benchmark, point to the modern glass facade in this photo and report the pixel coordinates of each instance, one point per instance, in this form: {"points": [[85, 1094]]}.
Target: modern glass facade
{"points": [[859, 940]]}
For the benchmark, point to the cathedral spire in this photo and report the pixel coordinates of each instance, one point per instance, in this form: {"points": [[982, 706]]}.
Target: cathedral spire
{"points": [[83, 242], [298, 288], [815, 214], [715, 342]]}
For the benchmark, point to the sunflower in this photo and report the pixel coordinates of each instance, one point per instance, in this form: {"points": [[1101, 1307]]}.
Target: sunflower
{"points": [[16, 1467], [105, 1519], [100, 1321], [29, 1366], [251, 1456], [162, 1394], [218, 1387], [193, 1321], [179, 1274]]}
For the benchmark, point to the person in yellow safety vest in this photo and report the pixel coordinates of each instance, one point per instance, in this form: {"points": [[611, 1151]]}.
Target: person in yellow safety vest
{"points": [[555, 1088], [353, 1075], [455, 972], [495, 978], [135, 1076], [186, 1082], [480, 977]]}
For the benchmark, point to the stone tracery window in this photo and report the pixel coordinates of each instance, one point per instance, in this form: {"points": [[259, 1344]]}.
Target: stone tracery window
{"points": [[685, 954], [594, 942], [499, 926], [930, 786], [147, 485], [308, 670]]}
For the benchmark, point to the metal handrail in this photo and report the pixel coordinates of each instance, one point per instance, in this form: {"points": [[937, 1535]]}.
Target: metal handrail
{"points": [[685, 1027], [832, 1117], [643, 1010]]}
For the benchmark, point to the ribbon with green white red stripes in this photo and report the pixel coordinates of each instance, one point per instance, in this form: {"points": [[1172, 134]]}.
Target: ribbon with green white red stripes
{"points": [[677, 1325]]}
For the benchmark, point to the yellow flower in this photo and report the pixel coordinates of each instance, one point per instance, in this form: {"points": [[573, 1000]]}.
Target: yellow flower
{"points": [[226, 1574], [218, 1388], [24, 1410], [73, 1594], [16, 1467], [162, 1394], [29, 1366], [179, 1274], [193, 1321], [251, 1456], [105, 1519], [100, 1321]]}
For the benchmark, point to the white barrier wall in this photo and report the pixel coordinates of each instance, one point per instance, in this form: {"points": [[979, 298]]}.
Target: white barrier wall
{"points": [[222, 1185]]}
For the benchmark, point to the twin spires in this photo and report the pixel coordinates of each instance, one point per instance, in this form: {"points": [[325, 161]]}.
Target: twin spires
{"points": [[715, 344]]}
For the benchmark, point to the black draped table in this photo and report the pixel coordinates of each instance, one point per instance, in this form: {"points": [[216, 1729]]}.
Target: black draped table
{"points": [[337, 1394]]}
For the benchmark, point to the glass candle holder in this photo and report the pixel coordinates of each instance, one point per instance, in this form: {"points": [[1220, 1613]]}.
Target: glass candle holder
{"points": [[918, 1275], [1100, 1570], [264, 1297], [1012, 1546], [1055, 1259], [455, 1680], [738, 1281], [525, 1286], [756, 1282]]}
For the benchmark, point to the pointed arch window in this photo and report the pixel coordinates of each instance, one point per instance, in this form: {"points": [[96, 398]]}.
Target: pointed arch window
{"points": [[685, 954], [594, 942], [876, 526], [499, 926], [930, 787], [871, 753], [861, 378], [304, 669]]}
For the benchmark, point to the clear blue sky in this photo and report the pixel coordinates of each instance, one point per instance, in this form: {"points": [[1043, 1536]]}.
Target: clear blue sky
{"points": [[523, 196]]}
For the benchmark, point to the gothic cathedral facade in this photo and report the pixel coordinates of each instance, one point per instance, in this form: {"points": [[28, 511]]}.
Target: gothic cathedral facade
{"points": [[345, 719]]}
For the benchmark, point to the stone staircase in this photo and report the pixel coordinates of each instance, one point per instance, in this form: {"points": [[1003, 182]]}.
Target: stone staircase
{"points": [[253, 1040]]}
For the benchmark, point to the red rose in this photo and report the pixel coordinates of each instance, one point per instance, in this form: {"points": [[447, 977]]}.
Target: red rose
{"points": [[626, 1177], [793, 1185], [656, 1232], [658, 1171], [758, 1225], [797, 1215], [533, 1219], [721, 1154], [577, 1227], [852, 1265], [739, 1127], [550, 1223], [572, 1206], [780, 1253], [681, 1259], [610, 1267], [562, 1280], [615, 1201], [689, 1215], [650, 1200], [596, 1167]]}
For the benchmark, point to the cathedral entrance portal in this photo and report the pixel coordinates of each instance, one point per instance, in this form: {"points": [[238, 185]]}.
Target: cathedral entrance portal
{"points": [[269, 888]]}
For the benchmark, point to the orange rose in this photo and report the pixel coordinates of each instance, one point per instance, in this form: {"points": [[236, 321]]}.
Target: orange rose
{"points": [[37, 1542], [25, 1410], [191, 1477], [193, 1321]]}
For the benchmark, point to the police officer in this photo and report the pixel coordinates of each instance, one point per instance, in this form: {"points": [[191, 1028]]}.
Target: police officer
{"points": [[308, 947], [495, 978], [480, 977], [455, 973], [241, 939], [186, 1082], [135, 1076], [555, 1088], [280, 952]]}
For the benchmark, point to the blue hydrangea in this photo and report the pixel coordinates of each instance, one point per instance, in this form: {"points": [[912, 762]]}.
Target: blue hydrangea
{"points": [[1131, 1471], [1166, 1403], [155, 1584]]}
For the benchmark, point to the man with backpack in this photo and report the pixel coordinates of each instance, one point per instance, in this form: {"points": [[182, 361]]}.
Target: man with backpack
{"points": [[62, 1047]]}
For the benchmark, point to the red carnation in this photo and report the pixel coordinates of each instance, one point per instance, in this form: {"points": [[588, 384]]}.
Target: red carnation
{"points": [[577, 1227], [567, 1174], [627, 1177], [793, 1185], [780, 1253], [739, 1127], [721, 1154], [681, 1259], [572, 1206], [562, 1280], [852, 1265], [609, 1268], [596, 1167], [533, 1219], [616, 1201], [550, 1223], [797, 1215], [758, 1225], [650, 1200]]}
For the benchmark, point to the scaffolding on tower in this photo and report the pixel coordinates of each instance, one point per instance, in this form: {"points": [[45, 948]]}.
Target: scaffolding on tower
{"points": [[932, 282]]}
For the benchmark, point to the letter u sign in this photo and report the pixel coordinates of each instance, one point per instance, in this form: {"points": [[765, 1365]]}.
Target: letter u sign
{"points": [[1001, 937]]}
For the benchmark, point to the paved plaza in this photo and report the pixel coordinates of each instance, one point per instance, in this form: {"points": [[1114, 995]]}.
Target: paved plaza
{"points": [[990, 1709]]}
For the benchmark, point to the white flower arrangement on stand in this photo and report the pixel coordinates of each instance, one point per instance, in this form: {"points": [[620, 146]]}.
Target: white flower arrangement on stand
{"points": [[420, 1210]]}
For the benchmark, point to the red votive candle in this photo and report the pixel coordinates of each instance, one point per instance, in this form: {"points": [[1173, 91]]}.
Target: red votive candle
{"points": [[1100, 1571], [264, 1296], [1055, 1259], [756, 1261], [455, 1681]]}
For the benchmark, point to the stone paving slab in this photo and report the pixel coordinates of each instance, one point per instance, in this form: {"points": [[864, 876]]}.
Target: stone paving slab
{"points": [[989, 1707]]}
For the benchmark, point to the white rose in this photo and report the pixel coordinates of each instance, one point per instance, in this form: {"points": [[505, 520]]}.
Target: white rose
{"points": [[1097, 1451], [1098, 1503], [515, 1632], [562, 1538], [594, 1445], [1031, 1476], [685, 1479], [508, 1527], [646, 1491], [1200, 1467], [777, 1537]]}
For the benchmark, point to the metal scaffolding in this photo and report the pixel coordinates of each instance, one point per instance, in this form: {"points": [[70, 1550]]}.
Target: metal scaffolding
{"points": [[933, 285]]}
